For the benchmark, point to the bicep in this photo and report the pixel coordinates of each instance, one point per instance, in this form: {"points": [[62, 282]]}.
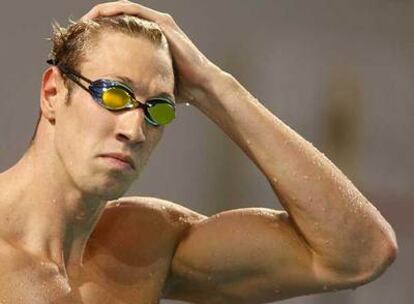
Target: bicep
{"points": [[250, 255]]}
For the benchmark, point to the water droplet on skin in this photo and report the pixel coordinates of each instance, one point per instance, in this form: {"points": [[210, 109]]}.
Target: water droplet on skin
{"points": [[274, 179], [118, 204], [231, 110], [163, 207], [80, 216]]}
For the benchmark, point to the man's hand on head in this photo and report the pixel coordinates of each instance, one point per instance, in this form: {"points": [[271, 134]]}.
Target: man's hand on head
{"points": [[195, 71]]}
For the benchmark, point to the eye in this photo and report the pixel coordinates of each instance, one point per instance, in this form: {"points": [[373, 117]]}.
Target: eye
{"points": [[161, 112], [115, 98]]}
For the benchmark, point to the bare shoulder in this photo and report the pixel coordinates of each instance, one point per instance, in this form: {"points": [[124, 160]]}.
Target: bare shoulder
{"points": [[171, 212], [142, 224], [135, 237]]}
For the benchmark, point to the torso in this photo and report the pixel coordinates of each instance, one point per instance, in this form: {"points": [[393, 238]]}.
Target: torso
{"points": [[127, 260]]}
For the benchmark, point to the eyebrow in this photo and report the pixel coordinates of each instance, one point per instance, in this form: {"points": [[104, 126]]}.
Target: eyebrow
{"points": [[130, 83]]}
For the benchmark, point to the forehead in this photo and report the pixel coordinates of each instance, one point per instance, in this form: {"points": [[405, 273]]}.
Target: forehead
{"points": [[120, 56]]}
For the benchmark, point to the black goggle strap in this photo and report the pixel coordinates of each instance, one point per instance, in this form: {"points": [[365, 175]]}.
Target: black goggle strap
{"points": [[72, 75]]}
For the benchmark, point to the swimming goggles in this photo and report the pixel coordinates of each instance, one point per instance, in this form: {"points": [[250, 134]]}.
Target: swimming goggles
{"points": [[116, 96]]}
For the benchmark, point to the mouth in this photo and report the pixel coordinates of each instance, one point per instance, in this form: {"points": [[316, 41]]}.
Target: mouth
{"points": [[121, 161]]}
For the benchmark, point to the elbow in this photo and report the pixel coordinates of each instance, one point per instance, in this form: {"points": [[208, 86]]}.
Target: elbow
{"points": [[379, 260], [388, 254], [392, 250]]}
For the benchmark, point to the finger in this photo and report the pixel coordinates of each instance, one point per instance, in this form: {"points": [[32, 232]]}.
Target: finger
{"points": [[94, 12], [104, 9], [122, 7]]}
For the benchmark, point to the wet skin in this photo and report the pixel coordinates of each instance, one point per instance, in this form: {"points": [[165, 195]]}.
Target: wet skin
{"points": [[127, 259], [62, 243]]}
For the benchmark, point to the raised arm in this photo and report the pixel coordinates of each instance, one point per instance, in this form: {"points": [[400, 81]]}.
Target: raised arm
{"points": [[330, 235]]}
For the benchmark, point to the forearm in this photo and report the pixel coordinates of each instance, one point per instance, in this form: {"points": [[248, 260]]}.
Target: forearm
{"points": [[334, 218]]}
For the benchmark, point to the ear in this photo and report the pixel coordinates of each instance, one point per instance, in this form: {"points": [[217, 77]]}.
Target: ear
{"points": [[51, 91]]}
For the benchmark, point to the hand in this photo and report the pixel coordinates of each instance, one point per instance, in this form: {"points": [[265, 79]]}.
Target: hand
{"points": [[194, 69]]}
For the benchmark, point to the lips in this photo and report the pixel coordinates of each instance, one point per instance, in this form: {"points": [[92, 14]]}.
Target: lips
{"points": [[122, 157]]}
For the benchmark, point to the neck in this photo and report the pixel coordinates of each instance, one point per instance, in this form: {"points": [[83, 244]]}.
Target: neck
{"points": [[44, 213]]}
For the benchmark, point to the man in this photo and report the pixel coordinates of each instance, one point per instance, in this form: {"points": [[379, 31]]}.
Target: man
{"points": [[67, 238]]}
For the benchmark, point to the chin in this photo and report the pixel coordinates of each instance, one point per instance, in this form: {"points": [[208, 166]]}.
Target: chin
{"points": [[108, 190], [109, 194], [106, 184], [115, 191]]}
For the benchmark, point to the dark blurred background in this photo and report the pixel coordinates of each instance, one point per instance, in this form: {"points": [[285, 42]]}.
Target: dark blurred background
{"points": [[339, 72]]}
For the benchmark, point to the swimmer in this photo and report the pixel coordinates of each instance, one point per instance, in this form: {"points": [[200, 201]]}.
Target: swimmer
{"points": [[68, 235]]}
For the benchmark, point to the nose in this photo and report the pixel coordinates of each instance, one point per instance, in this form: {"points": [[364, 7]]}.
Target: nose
{"points": [[131, 126]]}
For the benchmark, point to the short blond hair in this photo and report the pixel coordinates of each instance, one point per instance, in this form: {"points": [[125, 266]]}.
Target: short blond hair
{"points": [[70, 44]]}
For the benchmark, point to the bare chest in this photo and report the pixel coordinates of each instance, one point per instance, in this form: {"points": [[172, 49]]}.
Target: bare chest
{"points": [[127, 260], [22, 282], [41, 284], [122, 284]]}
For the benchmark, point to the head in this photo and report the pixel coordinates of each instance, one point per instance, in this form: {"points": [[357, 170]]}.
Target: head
{"points": [[74, 128]]}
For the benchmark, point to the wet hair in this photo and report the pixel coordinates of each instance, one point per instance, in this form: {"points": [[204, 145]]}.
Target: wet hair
{"points": [[70, 45]]}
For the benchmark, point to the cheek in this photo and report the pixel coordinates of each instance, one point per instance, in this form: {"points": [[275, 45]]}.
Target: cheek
{"points": [[153, 136], [80, 126]]}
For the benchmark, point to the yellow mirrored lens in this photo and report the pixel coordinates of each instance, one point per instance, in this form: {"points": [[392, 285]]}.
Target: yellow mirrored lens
{"points": [[115, 98], [162, 113]]}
